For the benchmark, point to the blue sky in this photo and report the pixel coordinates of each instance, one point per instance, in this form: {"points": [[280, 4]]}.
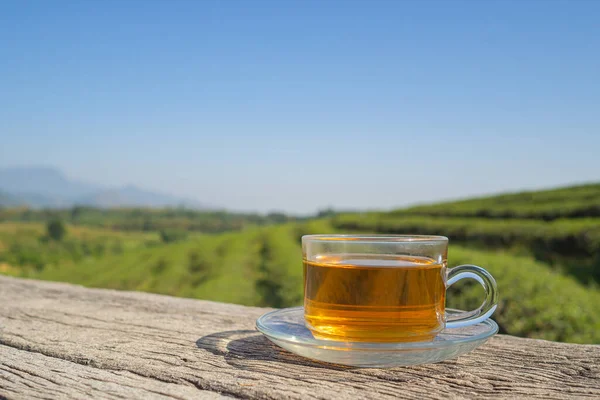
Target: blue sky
{"points": [[299, 105]]}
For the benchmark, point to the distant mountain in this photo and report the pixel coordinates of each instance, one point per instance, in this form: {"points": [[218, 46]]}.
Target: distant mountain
{"points": [[45, 187], [36, 200], [8, 200], [46, 181]]}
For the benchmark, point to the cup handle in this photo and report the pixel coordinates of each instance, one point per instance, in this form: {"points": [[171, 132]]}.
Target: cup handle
{"points": [[490, 302]]}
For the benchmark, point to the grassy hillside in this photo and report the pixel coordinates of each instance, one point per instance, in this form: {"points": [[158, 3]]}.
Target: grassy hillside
{"points": [[568, 202], [560, 227], [579, 236]]}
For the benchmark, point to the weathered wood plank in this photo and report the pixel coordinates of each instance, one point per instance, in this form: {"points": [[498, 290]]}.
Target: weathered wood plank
{"points": [[142, 344], [28, 375]]}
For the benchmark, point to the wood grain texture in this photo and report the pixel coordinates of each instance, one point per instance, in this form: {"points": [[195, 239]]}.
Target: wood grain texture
{"points": [[64, 341], [29, 375]]}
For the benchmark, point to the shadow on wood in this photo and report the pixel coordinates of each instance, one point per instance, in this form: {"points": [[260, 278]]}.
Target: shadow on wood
{"points": [[238, 345]]}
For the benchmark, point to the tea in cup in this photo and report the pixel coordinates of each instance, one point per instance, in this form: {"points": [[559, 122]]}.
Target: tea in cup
{"points": [[384, 288]]}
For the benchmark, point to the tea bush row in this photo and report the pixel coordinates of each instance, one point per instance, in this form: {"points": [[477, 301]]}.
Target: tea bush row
{"points": [[535, 301], [571, 202], [570, 239], [281, 276], [28, 246]]}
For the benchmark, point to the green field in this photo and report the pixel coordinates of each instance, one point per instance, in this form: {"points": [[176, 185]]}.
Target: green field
{"points": [[546, 268]]}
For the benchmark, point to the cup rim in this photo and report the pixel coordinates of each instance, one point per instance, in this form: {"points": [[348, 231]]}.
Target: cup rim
{"points": [[376, 238]]}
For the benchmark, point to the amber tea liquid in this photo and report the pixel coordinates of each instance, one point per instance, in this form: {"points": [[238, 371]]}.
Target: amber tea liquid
{"points": [[374, 297]]}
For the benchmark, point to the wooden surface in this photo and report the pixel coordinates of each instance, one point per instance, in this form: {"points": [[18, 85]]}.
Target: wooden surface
{"points": [[65, 341]]}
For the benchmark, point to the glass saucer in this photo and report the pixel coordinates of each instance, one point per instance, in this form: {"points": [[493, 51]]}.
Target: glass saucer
{"points": [[286, 328]]}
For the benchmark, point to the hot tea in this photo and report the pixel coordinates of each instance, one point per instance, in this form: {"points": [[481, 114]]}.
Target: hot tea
{"points": [[374, 297]]}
